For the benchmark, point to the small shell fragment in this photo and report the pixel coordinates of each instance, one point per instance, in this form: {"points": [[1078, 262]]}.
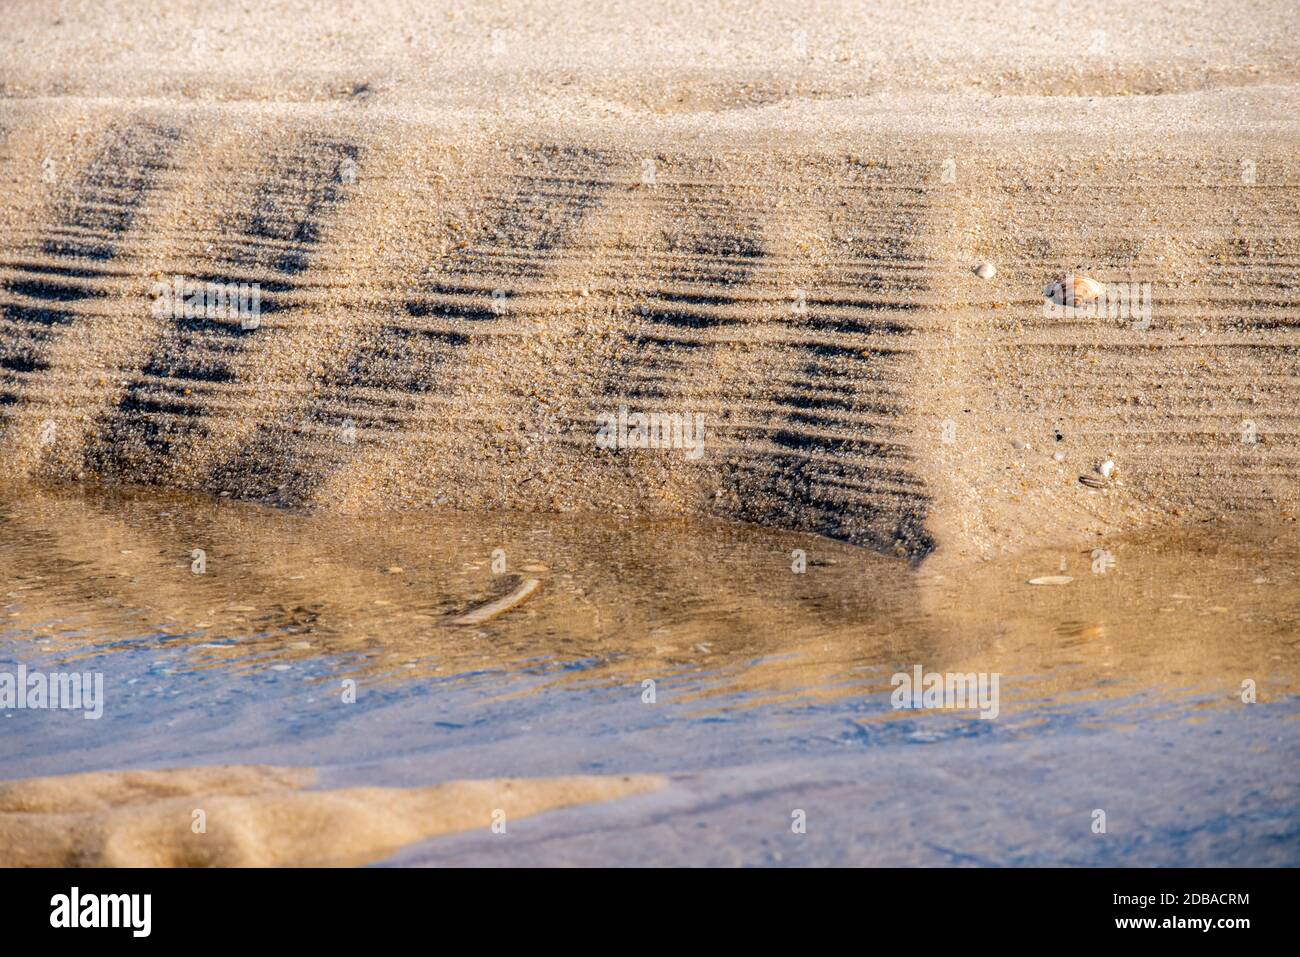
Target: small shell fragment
{"points": [[1051, 580], [1093, 481], [1072, 290], [495, 609], [986, 270], [1106, 469]]}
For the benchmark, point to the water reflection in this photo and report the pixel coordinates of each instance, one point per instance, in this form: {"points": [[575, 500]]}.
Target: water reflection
{"points": [[374, 597]]}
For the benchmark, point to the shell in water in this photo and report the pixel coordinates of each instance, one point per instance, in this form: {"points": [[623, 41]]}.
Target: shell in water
{"points": [[1073, 290]]}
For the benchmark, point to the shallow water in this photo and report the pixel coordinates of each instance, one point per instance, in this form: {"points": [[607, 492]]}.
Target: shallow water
{"points": [[1120, 690]]}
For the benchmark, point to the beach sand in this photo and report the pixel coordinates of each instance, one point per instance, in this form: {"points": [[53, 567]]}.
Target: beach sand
{"points": [[251, 816], [479, 227]]}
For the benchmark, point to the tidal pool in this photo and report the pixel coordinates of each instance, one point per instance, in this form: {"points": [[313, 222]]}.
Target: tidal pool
{"points": [[752, 670]]}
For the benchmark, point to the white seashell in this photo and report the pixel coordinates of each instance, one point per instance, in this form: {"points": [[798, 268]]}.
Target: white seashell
{"points": [[1106, 469], [1072, 290], [986, 270], [1058, 456], [1051, 580]]}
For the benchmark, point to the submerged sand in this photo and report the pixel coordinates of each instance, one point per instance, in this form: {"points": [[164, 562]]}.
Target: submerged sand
{"points": [[715, 611], [257, 816], [478, 228], [330, 642]]}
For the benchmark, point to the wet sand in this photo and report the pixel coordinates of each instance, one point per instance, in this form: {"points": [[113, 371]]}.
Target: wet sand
{"points": [[257, 816]]}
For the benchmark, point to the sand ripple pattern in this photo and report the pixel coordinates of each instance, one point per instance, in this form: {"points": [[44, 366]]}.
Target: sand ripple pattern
{"points": [[445, 316]]}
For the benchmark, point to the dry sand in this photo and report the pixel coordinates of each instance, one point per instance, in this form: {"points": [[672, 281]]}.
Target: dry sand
{"points": [[258, 816], [766, 213]]}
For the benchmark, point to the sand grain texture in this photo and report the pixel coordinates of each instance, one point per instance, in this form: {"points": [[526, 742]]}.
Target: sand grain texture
{"points": [[477, 228]]}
